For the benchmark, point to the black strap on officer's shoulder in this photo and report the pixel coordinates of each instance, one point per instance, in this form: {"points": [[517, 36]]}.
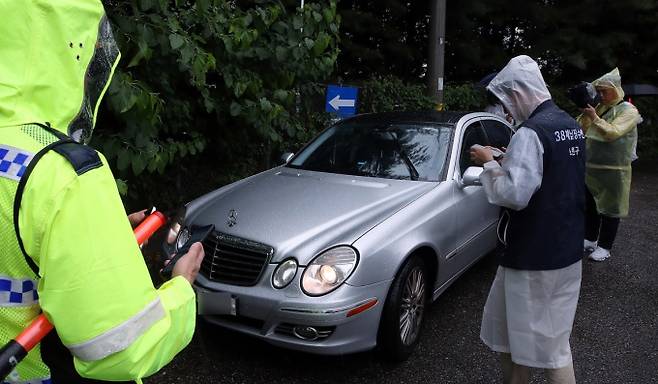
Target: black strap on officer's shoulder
{"points": [[81, 157]]}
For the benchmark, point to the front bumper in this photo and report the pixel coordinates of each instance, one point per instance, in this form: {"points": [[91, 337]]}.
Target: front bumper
{"points": [[271, 314]]}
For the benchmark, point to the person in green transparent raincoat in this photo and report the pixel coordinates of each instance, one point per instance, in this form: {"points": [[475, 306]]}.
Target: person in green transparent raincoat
{"points": [[611, 131]]}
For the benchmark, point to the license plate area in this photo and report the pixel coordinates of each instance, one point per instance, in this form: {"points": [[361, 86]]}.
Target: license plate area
{"points": [[215, 303]]}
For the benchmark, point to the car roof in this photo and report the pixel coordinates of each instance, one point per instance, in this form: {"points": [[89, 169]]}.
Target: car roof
{"points": [[450, 117]]}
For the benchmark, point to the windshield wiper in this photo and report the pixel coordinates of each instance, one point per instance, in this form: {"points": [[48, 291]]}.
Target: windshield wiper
{"points": [[413, 172]]}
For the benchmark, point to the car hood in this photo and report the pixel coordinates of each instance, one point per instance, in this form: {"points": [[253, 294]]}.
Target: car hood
{"points": [[300, 213]]}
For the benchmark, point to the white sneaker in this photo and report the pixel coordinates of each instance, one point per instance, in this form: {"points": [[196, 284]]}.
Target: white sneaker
{"points": [[589, 246], [599, 254]]}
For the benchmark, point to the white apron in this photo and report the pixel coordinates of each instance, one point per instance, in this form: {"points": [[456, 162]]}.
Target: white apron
{"points": [[529, 314]]}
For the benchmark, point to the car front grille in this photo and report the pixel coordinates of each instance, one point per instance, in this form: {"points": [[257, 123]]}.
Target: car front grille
{"points": [[233, 260]]}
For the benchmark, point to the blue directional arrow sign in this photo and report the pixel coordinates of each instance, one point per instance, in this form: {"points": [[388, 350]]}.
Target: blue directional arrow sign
{"points": [[341, 100]]}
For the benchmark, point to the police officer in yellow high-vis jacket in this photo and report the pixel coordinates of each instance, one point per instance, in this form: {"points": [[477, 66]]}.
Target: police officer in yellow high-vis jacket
{"points": [[67, 246]]}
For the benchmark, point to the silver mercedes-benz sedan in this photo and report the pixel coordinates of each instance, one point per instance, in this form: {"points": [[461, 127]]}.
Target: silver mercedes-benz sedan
{"points": [[341, 248]]}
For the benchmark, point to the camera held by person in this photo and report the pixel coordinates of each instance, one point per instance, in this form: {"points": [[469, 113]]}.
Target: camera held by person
{"points": [[584, 94]]}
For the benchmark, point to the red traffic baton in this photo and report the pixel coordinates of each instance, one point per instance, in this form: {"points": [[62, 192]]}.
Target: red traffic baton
{"points": [[148, 226], [15, 350]]}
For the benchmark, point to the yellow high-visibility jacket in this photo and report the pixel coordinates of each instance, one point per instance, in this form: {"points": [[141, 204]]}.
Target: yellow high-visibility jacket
{"points": [[81, 266]]}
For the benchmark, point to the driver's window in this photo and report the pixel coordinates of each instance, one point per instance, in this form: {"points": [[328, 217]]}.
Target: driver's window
{"points": [[497, 134], [473, 134]]}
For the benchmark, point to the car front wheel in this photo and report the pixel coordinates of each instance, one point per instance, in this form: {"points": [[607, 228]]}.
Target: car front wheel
{"points": [[404, 311]]}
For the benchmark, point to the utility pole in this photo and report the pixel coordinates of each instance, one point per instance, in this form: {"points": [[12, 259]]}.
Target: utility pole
{"points": [[437, 51], [301, 6]]}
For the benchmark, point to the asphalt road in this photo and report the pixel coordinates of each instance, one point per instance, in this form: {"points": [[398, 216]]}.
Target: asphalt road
{"points": [[615, 337]]}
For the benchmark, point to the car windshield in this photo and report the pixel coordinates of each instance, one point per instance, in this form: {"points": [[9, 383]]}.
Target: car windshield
{"points": [[408, 151]]}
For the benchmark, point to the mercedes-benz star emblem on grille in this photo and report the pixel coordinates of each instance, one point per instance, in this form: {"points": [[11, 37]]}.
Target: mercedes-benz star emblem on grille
{"points": [[232, 218]]}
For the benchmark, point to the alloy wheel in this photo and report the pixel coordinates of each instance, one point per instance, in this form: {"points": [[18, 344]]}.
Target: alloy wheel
{"points": [[412, 306]]}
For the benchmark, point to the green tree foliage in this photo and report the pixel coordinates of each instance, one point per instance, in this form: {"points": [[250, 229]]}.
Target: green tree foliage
{"points": [[215, 90], [223, 77], [573, 40], [385, 37], [389, 93]]}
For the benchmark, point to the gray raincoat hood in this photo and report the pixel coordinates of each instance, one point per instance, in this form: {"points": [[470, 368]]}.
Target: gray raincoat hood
{"points": [[520, 87]]}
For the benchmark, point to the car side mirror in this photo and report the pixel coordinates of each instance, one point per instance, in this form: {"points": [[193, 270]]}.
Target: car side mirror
{"points": [[285, 158], [471, 176]]}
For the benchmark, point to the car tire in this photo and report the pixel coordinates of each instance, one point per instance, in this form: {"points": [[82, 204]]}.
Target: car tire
{"points": [[404, 311]]}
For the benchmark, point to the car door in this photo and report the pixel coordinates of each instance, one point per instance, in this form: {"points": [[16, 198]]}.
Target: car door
{"points": [[476, 219]]}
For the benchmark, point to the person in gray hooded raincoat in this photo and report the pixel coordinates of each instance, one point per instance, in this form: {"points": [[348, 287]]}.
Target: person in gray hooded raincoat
{"points": [[531, 306]]}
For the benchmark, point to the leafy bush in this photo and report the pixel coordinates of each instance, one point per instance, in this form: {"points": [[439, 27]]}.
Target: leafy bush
{"points": [[464, 97], [389, 93]]}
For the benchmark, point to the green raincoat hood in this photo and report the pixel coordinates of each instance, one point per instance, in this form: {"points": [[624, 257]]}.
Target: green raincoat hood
{"points": [[612, 80], [57, 61]]}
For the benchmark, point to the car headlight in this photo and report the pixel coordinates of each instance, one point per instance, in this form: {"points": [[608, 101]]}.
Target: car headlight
{"points": [[329, 270], [284, 273], [182, 238], [178, 234]]}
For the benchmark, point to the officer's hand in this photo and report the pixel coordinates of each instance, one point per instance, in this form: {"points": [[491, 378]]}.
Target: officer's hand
{"points": [[137, 217], [188, 265]]}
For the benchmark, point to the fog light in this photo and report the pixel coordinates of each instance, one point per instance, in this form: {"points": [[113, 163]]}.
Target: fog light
{"points": [[305, 332]]}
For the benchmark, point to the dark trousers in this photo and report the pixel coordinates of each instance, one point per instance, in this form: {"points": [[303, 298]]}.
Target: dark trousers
{"points": [[597, 226]]}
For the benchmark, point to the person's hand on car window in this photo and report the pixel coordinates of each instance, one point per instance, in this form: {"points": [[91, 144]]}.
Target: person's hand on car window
{"points": [[480, 154]]}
